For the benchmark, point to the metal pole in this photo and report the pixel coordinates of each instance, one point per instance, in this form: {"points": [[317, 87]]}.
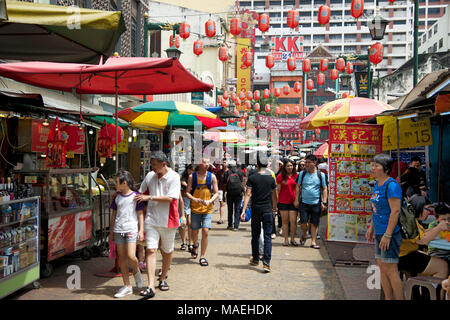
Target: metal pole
{"points": [[398, 150], [117, 122], [369, 89], [145, 42], [416, 42], [378, 85]]}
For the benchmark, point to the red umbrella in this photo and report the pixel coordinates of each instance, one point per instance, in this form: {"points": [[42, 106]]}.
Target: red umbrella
{"points": [[322, 151]]}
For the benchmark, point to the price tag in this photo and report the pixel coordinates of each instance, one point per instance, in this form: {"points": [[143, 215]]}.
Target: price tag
{"points": [[30, 179], [77, 179], [63, 180], [54, 181], [69, 180], [70, 155]]}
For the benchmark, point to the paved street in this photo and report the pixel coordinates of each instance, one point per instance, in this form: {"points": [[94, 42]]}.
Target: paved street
{"points": [[298, 273]]}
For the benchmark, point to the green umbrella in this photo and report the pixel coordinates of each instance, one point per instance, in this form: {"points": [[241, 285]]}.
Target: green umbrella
{"points": [[109, 120]]}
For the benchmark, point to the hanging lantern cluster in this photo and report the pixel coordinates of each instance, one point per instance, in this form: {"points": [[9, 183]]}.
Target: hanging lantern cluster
{"points": [[357, 8], [376, 52], [324, 14]]}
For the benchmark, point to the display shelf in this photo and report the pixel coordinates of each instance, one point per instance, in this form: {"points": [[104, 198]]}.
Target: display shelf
{"points": [[17, 221], [19, 243]]}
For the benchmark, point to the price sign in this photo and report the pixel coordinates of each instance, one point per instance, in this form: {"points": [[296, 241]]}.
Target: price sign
{"points": [[412, 133], [30, 179]]}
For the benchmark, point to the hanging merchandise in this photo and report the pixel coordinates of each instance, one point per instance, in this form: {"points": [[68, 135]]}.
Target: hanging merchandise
{"points": [[198, 47], [249, 95], [266, 93], [334, 74], [324, 65], [256, 95], [220, 101], [357, 9], [225, 95], [317, 132], [223, 54], [235, 27], [267, 108], [106, 140], [174, 41], [297, 86], [184, 30], [286, 89], [56, 147], [306, 65], [247, 59], [340, 64], [210, 28], [277, 111], [277, 92], [349, 68], [324, 14], [376, 53], [291, 64], [310, 84], [293, 19], [242, 95], [270, 61], [320, 79], [263, 22], [257, 107]]}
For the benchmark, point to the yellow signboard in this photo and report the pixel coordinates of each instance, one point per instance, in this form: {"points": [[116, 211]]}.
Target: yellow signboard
{"points": [[412, 133], [123, 145], [243, 72]]}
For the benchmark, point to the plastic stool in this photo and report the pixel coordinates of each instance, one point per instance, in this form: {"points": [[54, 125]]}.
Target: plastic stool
{"points": [[431, 283]]}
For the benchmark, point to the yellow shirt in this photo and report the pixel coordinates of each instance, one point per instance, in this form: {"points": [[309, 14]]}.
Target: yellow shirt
{"points": [[202, 192], [410, 245]]}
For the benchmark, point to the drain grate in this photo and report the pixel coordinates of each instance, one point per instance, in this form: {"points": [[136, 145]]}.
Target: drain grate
{"points": [[351, 263]]}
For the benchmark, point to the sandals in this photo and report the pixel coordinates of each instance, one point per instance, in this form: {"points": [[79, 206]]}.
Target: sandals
{"points": [[285, 244], [194, 254], [203, 262], [314, 246], [220, 222], [190, 248], [163, 286], [302, 241], [295, 244], [183, 246], [147, 293]]}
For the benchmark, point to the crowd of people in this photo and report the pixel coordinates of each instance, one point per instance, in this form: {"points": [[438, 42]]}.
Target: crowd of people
{"points": [[297, 194]]}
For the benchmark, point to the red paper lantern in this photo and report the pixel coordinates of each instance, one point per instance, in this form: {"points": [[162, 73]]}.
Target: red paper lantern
{"points": [[267, 108], [270, 61], [310, 84], [293, 19], [235, 26], [297, 86], [257, 107], [286, 89], [320, 79], [344, 95], [237, 102], [334, 74], [174, 41], [296, 109], [376, 52], [245, 116], [210, 28], [349, 68], [324, 14], [277, 111], [256, 95], [263, 22], [291, 64], [236, 112], [306, 109], [357, 9], [233, 96], [223, 54], [306, 67], [324, 65], [266, 93], [232, 120], [184, 30], [247, 59], [317, 131], [286, 110], [241, 95], [247, 105], [249, 95], [242, 123], [220, 100], [225, 95], [340, 64], [198, 47], [226, 103], [277, 92]]}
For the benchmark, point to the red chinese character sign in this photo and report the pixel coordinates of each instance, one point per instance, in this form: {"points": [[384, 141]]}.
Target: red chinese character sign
{"points": [[351, 150], [56, 147]]}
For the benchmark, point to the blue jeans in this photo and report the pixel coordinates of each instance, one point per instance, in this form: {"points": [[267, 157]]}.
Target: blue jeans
{"points": [[266, 218], [234, 204]]}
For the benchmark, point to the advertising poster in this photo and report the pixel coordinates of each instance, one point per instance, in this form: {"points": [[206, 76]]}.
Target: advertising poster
{"points": [[351, 150], [243, 72], [61, 236], [83, 229]]}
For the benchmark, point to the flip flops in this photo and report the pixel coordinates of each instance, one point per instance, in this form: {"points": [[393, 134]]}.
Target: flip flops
{"points": [[204, 262], [163, 286], [147, 293], [314, 246], [194, 254]]}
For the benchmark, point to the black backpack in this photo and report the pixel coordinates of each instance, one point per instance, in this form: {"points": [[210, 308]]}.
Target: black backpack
{"points": [[234, 184], [407, 219]]}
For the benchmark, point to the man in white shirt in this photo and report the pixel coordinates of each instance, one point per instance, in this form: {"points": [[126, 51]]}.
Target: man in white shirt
{"points": [[161, 220]]}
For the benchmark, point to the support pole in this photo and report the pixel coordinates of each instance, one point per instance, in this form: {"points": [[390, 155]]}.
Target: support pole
{"points": [[117, 122], [416, 42]]}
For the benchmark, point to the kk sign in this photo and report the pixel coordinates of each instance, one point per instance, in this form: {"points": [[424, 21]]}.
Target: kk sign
{"points": [[286, 47]]}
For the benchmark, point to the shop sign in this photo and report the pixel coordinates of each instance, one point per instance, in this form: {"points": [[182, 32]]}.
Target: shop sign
{"points": [[123, 145], [285, 47], [72, 135], [243, 72], [197, 98], [351, 150], [362, 84], [281, 124], [412, 132]]}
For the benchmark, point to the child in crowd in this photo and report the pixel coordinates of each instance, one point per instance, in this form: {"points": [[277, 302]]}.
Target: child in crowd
{"points": [[127, 226], [441, 213]]}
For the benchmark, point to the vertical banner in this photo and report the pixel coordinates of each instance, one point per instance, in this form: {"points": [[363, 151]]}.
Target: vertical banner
{"points": [[351, 150], [243, 72], [362, 84]]}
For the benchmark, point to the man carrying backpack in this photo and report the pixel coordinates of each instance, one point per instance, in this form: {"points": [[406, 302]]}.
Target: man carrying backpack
{"points": [[233, 181], [314, 198]]}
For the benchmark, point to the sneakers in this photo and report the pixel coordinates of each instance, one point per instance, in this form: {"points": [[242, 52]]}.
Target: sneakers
{"points": [[253, 262], [124, 291], [266, 268], [273, 235], [229, 228], [138, 279]]}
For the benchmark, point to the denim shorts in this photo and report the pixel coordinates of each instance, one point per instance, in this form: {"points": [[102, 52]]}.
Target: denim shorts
{"points": [[127, 237], [199, 221], [392, 254], [310, 213]]}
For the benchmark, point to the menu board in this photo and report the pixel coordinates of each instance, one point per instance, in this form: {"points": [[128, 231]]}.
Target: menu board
{"points": [[351, 150]]}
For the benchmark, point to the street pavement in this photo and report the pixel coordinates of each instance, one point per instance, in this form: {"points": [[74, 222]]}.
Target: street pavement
{"points": [[298, 273]]}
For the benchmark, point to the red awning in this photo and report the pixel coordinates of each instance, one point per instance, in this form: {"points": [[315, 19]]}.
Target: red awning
{"points": [[135, 76]]}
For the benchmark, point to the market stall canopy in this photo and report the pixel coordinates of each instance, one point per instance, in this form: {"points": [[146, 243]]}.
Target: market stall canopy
{"points": [[158, 115], [134, 75], [322, 151], [222, 112], [348, 110], [35, 31]]}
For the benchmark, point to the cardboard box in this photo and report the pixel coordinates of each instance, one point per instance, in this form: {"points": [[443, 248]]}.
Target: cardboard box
{"points": [[24, 261]]}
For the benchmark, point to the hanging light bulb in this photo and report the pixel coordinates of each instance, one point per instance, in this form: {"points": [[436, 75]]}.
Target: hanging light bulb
{"points": [[114, 158], [45, 123], [130, 139], [91, 131], [134, 132]]}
